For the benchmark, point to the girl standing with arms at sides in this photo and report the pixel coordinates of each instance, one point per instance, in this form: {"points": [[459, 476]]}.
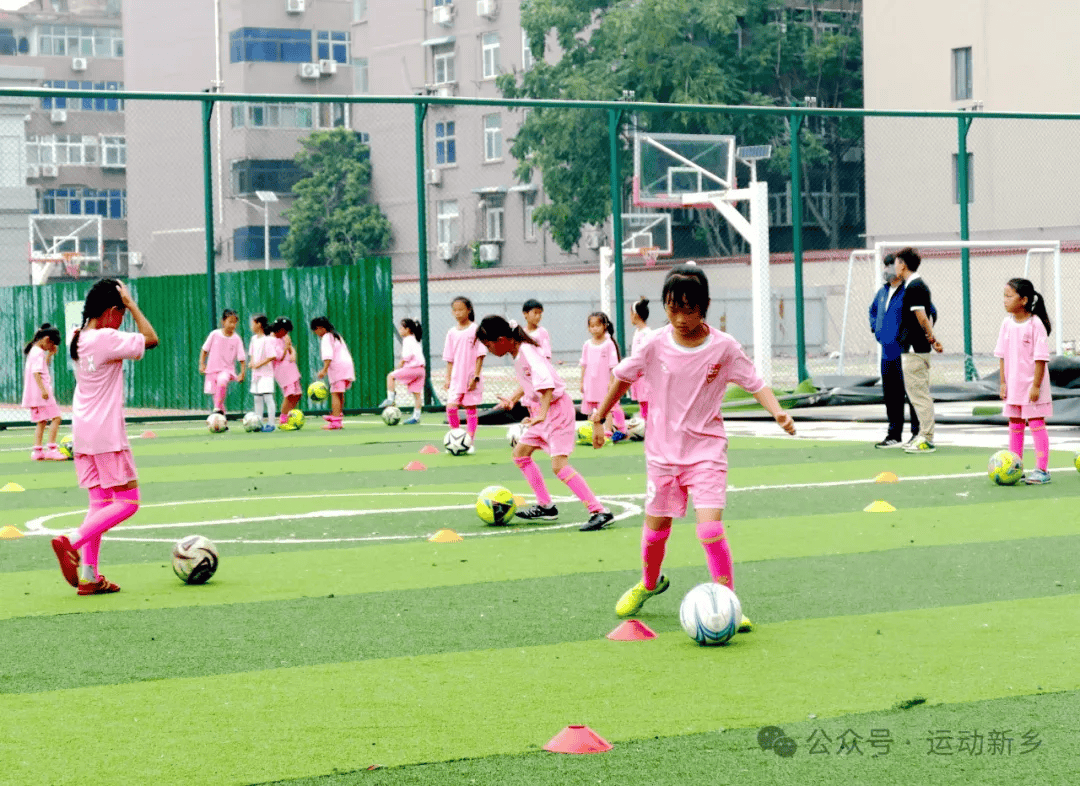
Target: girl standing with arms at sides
{"points": [[687, 365], [38, 394], [337, 367], [217, 360], [464, 357], [411, 371], [1023, 349], [550, 425], [261, 351], [103, 459], [599, 355], [533, 311], [639, 313], [286, 372]]}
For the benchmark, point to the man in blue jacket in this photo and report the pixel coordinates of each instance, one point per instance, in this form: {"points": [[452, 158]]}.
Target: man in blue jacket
{"points": [[885, 314]]}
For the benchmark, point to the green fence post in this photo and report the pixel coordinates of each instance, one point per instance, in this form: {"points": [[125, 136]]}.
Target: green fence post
{"points": [[421, 239], [208, 206], [614, 116], [963, 125], [795, 122]]}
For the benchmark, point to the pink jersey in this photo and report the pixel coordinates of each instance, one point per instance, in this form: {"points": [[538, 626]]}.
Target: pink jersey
{"points": [[639, 391], [285, 369], [341, 362], [462, 350], [97, 410], [259, 349], [597, 361], [37, 362], [222, 352], [412, 354], [541, 337], [534, 373], [1020, 344], [686, 391]]}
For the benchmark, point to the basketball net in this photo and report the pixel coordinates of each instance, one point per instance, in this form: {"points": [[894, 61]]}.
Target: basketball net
{"points": [[72, 265], [650, 254]]}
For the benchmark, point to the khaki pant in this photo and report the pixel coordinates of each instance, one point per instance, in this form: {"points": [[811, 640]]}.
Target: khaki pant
{"points": [[917, 385]]}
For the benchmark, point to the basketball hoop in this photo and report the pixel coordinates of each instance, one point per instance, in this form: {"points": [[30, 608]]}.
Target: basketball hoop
{"points": [[650, 254], [72, 263]]}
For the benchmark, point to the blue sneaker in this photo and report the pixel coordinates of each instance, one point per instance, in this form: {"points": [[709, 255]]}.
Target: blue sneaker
{"points": [[267, 428], [412, 421], [1037, 477], [618, 436]]}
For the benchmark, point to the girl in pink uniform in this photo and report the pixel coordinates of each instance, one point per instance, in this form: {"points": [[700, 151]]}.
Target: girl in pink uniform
{"points": [[464, 357], [411, 371], [103, 459], [550, 425], [286, 372], [38, 394], [1023, 349], [261, 352], [687, 365], [217, 360], [639, 314], [599, 355], [337, 367]]}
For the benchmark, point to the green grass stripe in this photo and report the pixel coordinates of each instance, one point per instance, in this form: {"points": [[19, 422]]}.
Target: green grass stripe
{"points": [[413, 565], [161, 643], [406, 710]]}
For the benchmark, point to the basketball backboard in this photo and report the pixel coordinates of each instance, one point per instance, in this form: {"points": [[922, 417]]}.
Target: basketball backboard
{"points": [[646, 231], [678, 170]]}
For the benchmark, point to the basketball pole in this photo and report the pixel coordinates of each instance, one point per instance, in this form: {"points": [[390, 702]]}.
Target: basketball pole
{"points": [[614, 116]]}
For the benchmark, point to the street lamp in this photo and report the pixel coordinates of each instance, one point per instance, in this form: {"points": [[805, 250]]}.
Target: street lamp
{"points": [[266, 197]]}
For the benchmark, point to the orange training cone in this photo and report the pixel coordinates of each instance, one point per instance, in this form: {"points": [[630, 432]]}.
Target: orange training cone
{"points": [[415, 466], [577, 739], [632, 630], [429, 449], [445, 536], [148, 435], [886, 477], [9, 533]]}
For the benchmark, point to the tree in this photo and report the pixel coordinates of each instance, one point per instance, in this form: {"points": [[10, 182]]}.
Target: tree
{"points": [[749, 52], [333, 221]]}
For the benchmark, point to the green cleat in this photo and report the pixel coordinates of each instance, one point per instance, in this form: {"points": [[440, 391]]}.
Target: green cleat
{"points": [[634, 598]]}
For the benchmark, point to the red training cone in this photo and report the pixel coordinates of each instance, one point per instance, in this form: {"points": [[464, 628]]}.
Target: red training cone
{"points": [[148, 435], [577, 739], [429, 449], [414, 466], [632, 630]]}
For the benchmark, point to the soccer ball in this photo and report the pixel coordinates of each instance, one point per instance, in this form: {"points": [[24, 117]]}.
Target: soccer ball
{"points": [[194, 559], [391, 416], [1005, 468], [295, 418], [635, 428], [710, 613], [457, 441], [514, 433], [495, 505], [318, 391], [251, 422], [67, 446], [1076, 458], [584, 434], [217, 423]]}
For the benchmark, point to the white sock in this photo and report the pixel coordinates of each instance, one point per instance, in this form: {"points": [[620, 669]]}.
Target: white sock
{"points": [[258, 406], [416, 412], [271, 407]]}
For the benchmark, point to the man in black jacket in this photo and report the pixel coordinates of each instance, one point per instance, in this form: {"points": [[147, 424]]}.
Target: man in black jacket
{"points": [[917, 339]]}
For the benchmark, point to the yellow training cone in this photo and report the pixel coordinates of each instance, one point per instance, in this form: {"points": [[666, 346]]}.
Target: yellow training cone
{"points": [[445, 536], [886, 477], [519, 501], [9, 533], [12, 487], [879, 506]]}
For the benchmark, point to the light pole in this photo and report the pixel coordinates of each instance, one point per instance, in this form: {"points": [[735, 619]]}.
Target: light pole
{"points": [[266, 197]]}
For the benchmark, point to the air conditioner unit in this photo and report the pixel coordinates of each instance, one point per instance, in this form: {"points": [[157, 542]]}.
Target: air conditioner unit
{"points": [[434, 177], [78, 64], [309, 71], [594, 240], [445, 90], [294, 6], [328, 66], [446, 251], [135, 258], [33, 171], [49, 170], [58, 116], [489, 252], [443, 15], [488, 8]]}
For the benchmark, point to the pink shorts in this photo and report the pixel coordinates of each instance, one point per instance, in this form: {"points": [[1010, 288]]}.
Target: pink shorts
{"points": [[213, 381], [340, 386], [557, 434], [47, 411], [291, 389], [1040, 409], [666, 494], [107, 470], [413, 376]]}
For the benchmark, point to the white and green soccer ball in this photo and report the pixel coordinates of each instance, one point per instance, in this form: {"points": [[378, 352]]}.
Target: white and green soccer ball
{"points": [[217, 423], [391, 416], [251, 422]]}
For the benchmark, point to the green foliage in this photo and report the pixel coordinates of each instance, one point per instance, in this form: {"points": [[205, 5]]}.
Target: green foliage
{"points": [[333, 221]]}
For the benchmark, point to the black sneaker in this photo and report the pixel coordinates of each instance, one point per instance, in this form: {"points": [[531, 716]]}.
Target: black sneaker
{"points": [[598, 520], [889, 442], [539, 513]]}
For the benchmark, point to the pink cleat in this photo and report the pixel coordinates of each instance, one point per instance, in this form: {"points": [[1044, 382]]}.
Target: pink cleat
{"points": [[52, 453], [102, 586], [37, 453]]}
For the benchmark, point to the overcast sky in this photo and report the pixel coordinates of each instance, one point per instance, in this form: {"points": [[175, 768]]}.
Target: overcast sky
{"points": [[11, 5]]}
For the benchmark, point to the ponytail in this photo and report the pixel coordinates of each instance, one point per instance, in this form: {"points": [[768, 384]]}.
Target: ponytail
{"points": [[282, 323], [641, 308], [413, 327], [493, 327], [45, 331], [262, 322], [105, 294], [326, 325], [1036, 303]]}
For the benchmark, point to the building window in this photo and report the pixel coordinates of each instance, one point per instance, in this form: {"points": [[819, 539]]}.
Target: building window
{"points": [[109, 203], [443, 2], [251, 175], [71, 41], [359, 10], [444, 64], [360, 76], [493, 222], [527, 58], [289, 115], [961, 74], [333, 45], [269, 45], [76, 149], [41, 149], [530, 208], [970, 178], [102, 104], [492, 137], [445, 143], [447, 221], [490, 48], [249, 242], [114, 151]]}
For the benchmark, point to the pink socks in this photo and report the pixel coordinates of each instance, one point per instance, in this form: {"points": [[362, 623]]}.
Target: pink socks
{"points": [[472, 420], [577, 484], [536, 480], [644, 410], [108, 507], [453, 418], [717, 553], [618, 418], [219, 397], [1041, 440], [1016, 437], [653, 545]]}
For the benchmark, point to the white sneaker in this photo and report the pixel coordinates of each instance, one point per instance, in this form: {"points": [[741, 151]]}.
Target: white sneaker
{"points": [[471, 450]]}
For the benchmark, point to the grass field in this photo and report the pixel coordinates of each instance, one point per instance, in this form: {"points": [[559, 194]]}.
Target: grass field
{"points": [[337, 645]]}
